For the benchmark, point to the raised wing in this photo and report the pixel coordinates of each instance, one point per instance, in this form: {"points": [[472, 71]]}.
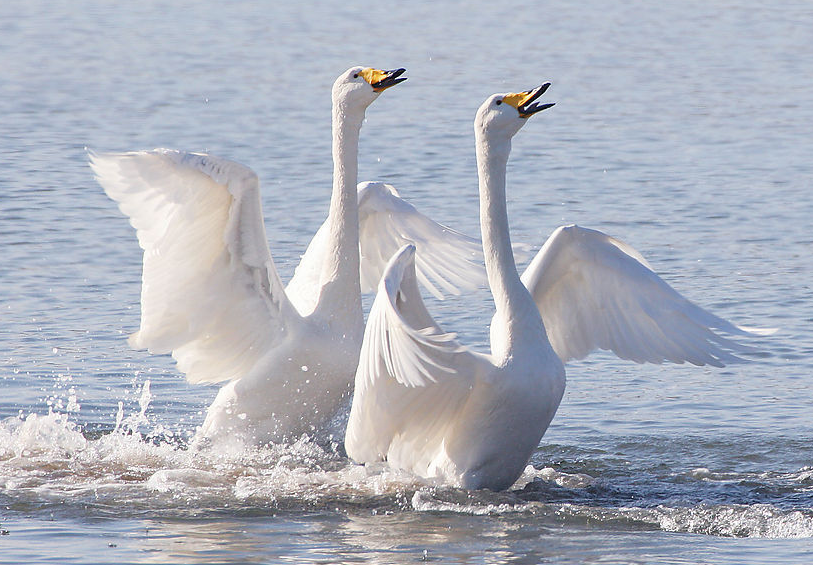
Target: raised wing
{"points": [[210, 293], [412, 376], [596, 292], [304, 287], [446, 260]]}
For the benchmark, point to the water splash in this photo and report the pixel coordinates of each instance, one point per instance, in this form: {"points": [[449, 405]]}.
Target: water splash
{"points": [[759, 520], [50, 464]]}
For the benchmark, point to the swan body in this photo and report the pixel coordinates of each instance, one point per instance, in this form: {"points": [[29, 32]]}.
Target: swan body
{"points": [[211, 294], [425, 403]]}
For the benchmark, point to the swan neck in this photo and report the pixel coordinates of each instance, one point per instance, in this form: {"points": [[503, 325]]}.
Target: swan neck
{"points": [[506, 286], [341, 266]]}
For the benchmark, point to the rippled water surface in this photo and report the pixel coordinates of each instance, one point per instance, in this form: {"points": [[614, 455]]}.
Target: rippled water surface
{"points": [[684, 129]]}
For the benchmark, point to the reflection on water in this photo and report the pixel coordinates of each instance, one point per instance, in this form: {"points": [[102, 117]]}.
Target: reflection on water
{"points": [[350, 538]]}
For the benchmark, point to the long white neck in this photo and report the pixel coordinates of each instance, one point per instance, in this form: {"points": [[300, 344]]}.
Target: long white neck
{"points": [[511, 298], [340, 269]]}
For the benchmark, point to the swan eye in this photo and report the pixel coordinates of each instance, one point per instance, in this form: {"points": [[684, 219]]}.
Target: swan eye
{"points": [[499, 102], [356, 75]]}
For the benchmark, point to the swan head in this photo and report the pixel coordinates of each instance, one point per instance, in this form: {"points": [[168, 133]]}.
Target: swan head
{"points": [[502, 115], [358, 87]]}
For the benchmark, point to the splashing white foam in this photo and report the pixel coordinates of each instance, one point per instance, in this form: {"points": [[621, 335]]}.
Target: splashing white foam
{"points": [[37, 436], [756, 520], [565, 480], [46, 460]]}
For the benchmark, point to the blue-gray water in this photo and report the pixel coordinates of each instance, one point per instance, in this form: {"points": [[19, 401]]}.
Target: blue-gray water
{"points": [[683, 128]]}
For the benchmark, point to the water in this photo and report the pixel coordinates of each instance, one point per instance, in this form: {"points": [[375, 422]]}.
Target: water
{"points": [[683, 129]]}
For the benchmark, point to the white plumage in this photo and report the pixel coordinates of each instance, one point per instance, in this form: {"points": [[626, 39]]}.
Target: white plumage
{"points": [[596, 292], [425, 403], [211, 293]]}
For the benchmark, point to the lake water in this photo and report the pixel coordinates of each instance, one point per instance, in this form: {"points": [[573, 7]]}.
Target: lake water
{"points": [[683, 128]]}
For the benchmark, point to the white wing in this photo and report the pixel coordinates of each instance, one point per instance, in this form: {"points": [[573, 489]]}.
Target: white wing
{"points": [[412, 376], [304, 287], [211, 294], [446, 261], [596, 292]]}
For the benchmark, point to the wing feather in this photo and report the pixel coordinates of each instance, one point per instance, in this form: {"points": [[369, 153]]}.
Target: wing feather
{"points": [[211, 294], [412, 376], [596, 292], [447, 261]]}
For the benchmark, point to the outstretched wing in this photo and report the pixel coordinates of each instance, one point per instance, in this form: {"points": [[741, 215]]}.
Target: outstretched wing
{"points": [[596, 292], [447, 261], [210, 293], [412, 376], [304, 287]]}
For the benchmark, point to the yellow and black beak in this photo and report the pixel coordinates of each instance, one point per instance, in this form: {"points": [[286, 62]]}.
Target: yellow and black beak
{"points": [[382, 80], [526, 102]]}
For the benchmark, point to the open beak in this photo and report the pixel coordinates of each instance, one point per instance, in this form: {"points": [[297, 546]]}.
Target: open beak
{"points": [[382, 80], [526, 102]]}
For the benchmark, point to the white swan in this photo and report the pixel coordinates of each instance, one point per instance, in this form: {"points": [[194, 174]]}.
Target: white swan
{"points": [[425, 403], [211, 294]]}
